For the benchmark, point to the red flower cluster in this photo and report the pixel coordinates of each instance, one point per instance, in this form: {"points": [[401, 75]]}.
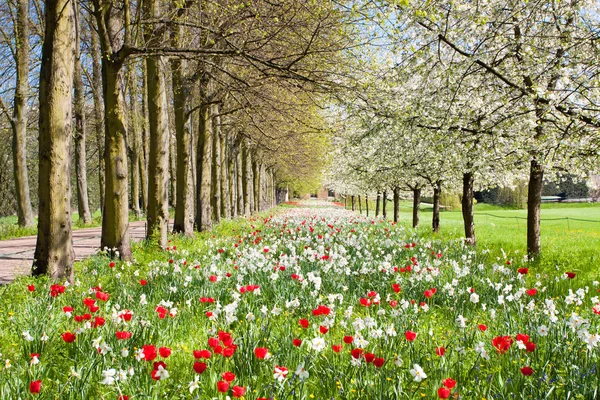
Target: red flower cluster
{"points": [[502, 343]]}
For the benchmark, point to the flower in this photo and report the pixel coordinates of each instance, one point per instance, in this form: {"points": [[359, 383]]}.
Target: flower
{"points": [[228, 376], [31, 288], [164, 352], [570, 275], [238, 391], [410, 336], [482, 327], [440, 351], [202, 354], [149, 352], [527, 371], [35, 386], [378, 362], [123, 335], [303, 323], [280, 373], [443, 392], [261, 353], [297, 342], [301, 372], [502, 343], [160, 371], [223, 386], [194, 385], [69, 337], [317, 344], [418, 373], [199, 367], [449, 383], [108, 376]]}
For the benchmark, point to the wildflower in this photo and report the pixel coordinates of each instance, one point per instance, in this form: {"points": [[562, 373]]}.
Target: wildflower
{"points": [[527, 371], [301, 372], [418, 373], [410, 336], [35, 387], [108, 376], [280, 373]]}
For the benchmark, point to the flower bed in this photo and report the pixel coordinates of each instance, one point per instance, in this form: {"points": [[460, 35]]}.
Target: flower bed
{"points": [[312, 303]]}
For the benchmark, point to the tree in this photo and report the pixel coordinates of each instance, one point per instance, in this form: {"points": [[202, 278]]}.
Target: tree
{"points": [[54, 249], [18, 120]]}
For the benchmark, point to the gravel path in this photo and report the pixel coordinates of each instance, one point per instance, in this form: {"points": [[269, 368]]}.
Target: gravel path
{"points": [[16, 255]]}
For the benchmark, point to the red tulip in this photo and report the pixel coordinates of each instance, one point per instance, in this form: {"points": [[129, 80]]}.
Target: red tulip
{"points": [[303, 323], [449, 383], [378, 362], [570, 275], [348, 339], [164, 352], [122, 335], [443, 393], [410, 335], [261, 352], [323, 329], [228, 376], [222, 386], [337, 348], [531, 292], [482, 327], [440, 351], [238, 391], [69, 337], [369, 357], [35, 386], [297, 342], [527, 371], [202, 354], [31, 288], [199, 367]]}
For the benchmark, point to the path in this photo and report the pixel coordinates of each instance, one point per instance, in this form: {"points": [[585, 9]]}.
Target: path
{"points": [[16, 255]]}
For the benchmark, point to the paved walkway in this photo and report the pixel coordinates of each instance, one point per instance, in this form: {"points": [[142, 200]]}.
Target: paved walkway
{"points": [[16, 255]]}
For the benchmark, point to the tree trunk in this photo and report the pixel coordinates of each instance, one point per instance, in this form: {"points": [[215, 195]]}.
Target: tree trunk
{"points": [[98, 112], [232, 180], [225, 193], [248, 180], [396, 203], [115, 218], [172, 162], [352, 202], [384, 204], [435, 223], [83, 206], [241, 206], [134, 138], [145, 150], [367, 203], [216, 163], [377, 203], [467, 207], [54, 248], [416, 206], [184, 199], [19, 120], [534, 205], [359, 205], [203, 170], [256, 184]]}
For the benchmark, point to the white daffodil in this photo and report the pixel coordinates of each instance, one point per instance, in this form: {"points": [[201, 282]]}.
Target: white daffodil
{"points": [[418, 373]]}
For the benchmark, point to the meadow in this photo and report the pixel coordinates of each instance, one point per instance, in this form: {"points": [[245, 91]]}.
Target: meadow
{"points": [[305, 303]]}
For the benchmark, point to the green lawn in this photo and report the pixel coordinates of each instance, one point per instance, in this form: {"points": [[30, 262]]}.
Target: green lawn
{"points": [[566, 243]]}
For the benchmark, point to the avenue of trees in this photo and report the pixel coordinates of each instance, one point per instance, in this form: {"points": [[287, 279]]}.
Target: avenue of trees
{"points": [[469, 96], [210, 107]]}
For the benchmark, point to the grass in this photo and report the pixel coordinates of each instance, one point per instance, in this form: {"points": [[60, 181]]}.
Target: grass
{"points": [[267, 250], [565, 242]]}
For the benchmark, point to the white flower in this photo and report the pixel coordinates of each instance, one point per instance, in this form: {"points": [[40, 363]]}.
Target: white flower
{"points": [[161, 373], [27, 336], [280, 373], [317, 344], [301, 372], [474, 298], [542, 330], [108, 376], [194, 384], [462, 321], [44, 337], [418, 373]]}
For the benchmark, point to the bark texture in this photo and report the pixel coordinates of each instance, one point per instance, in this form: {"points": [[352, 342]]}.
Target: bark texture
{"points": [[384, 205], [416, 206], [184, 199], [83, 205], [204, 168], [377, 204], [435, 222], [534, 205], [115, 218], [467, 207], [396, 203], [98, 112], [54, 248], [19, 118]]}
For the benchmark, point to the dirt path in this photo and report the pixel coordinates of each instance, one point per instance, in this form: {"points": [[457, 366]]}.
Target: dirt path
{"points": [[16, 255]]}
